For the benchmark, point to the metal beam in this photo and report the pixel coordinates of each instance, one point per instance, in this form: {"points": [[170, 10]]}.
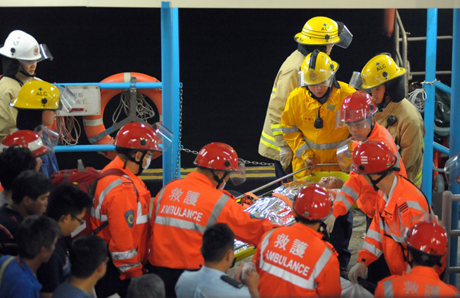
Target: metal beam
{"points": [[275, 4]]}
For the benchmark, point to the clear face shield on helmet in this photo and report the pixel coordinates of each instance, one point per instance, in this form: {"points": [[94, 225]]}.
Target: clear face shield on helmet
{"points": [[164, 135], [452, 170], [356, 81], [345, 36], [67, 99], [50, 137], [239, 176], [344, 155]]}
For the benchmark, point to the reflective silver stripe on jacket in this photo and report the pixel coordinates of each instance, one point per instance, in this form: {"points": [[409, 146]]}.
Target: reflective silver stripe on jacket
{"points": [[321, 263], [217, 210], [277, 271], [342, 198], [124, 268], [289, 129], [325, 146], [271, 142], [372, 249], [97, 213], [301, 150], [179, 223], [160, 196], [388, 288], [415, 205], [124, 255], [190, 225], [395, 237], [374, 235], [349, 191]]}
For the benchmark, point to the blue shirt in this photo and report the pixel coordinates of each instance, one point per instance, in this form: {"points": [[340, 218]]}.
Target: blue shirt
{"points": [[18, 280], [206, 283], [66, 290]]}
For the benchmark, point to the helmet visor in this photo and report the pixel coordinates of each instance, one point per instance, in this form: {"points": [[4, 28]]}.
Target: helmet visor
{"points": [[344, 155], [345, 36], [50, 137], [45, 53], [165, 136], [67, 99], [452, 170], [239, 176], [356, 81]]}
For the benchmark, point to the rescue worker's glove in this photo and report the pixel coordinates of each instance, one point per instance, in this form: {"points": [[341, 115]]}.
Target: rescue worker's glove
{"points": [[359, 269], [310, 162], [330, 221], [285, 156]]}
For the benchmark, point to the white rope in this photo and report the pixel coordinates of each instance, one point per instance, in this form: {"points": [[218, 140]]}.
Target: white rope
{"points": [[143, 109], [417, 98]]}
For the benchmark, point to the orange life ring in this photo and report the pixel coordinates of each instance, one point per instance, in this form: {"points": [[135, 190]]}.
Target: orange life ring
{"points": [[94, 125]]}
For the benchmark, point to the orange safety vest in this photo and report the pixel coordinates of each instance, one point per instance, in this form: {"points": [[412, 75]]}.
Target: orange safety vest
{"points": [[386, 234], [181, 212], [294, 261], [357, 189], [421, 281], [123, 202]]}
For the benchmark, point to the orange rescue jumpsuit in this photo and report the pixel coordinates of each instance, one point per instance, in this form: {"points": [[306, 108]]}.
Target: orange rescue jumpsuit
{"points": [[123, 202], [294, 261], [182, 211], [421, 281], [406, 204], [356, 189]]}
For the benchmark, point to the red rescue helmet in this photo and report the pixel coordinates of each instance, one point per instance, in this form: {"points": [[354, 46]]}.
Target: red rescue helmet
{"points": [[137, 135], [427, 237], [356, 107], [313, 203], [218, 156], [373, 157], [26, 139], [222, 157]]}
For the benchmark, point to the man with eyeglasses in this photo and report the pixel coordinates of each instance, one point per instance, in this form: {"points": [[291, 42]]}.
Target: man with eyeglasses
{"points": [[67, 206], [20, 55]]}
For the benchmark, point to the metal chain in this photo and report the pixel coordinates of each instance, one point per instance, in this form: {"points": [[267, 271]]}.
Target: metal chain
{"points": [[257, 163], [181, 148]]}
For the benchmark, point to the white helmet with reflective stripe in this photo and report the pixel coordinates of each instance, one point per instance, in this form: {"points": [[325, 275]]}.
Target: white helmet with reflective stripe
{"points": [[22, 46]]}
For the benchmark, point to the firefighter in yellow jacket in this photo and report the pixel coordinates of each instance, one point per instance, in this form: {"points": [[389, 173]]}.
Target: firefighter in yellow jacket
{"points": [[318, 33], [309, 118]]}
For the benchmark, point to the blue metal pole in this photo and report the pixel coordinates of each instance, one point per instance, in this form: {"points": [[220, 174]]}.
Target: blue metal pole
{"points": [[84, 148], [454, 131], [441, 148], [430, 75], [171, 92], [443, 87]]}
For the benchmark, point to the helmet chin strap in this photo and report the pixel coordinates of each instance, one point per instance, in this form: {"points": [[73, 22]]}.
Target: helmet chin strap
{"points": [[219, 180], [139, 163], [375, 182]]}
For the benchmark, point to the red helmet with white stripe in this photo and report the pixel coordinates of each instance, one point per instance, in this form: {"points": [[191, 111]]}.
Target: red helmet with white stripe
{"points": [[26, 139], [427, 237], [373, 157], [313, 203]]}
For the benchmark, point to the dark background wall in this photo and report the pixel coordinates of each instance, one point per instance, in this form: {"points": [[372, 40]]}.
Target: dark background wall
{"points": [[228, 59]]}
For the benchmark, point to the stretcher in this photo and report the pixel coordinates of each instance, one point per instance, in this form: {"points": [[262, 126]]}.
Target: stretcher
{"points": [[276, 205]]}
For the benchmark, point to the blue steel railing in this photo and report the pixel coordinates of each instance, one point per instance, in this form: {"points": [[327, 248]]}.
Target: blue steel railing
{"points": [[170, 86], [454, 144]]}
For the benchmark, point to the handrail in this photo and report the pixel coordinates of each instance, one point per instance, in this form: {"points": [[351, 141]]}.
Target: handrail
{"points": [[447, 199]]}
